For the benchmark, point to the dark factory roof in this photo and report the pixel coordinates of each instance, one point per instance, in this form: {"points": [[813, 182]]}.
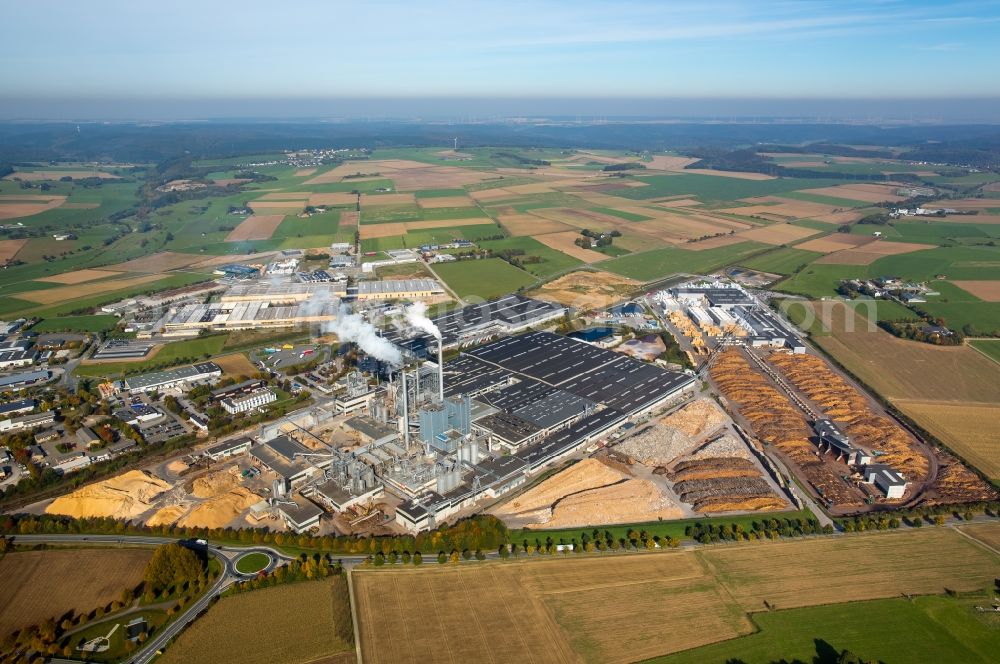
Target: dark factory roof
{"points": [[514, 396], [508, 311], [554, 409], [510, 427], [593, 373], [592, 425]]}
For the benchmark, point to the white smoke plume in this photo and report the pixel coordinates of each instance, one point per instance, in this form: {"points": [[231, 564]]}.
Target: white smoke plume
{"points": [[351, 327], [416, 316]]}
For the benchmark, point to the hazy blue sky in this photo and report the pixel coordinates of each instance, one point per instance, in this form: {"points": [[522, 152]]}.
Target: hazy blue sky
{"points": [[225, 49]]}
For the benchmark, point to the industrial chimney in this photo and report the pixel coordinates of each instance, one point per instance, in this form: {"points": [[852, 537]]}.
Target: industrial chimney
{"points": [[440, 370]]}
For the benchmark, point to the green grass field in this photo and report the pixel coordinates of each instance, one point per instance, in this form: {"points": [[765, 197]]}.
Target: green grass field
{"points": [[927, 630], [91, 324], [486, 278], [552, 260], [171, 354], [784, 260], [989, 347], [658, 263]]}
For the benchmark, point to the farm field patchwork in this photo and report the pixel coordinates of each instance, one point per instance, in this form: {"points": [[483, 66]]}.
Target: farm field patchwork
{"points": [[658, 263], [664, 602]]}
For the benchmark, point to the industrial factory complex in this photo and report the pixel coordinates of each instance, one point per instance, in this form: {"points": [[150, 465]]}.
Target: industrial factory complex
{"points": [[441, 437]]}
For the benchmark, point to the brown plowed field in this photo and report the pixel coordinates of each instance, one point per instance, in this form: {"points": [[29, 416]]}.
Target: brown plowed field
{"points": [[667, 163], [835, 242], [46, 584], [984, 290], [777, 234], [564, 242], [79, 276], [13, 210], [445, 202], [866, 193], [528, 224], [349, 219], [70, 293], [9, 249], [871, 252], [256, 227]]}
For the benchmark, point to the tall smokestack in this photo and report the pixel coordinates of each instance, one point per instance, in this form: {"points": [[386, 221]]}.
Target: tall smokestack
{"points": [[406, 413], [440, 371]]}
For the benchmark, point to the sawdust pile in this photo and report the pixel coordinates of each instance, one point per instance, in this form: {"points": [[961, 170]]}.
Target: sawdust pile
{"points": [[537, 502], [166, 516], [697, 418], [726, 445], [631, 501], [123, 497], [220, 510], [212, 484]]}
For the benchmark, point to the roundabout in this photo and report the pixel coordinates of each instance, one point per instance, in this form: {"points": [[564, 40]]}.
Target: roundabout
{"points": [[252, 562]]}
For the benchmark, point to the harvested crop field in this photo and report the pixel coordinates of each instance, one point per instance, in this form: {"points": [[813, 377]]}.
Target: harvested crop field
{"points": [[777, 234], [899, 368], [984, 290], [236, 364], [545, 609], [869, 253], [125, 496], [669, 163], [349, 219], [445, 202], [867, 193], [586, 290], [790, 574], [565, 242], [967, 428], [231, 630], [78, 291], [161, 262], [46, 584], [13, 210], [834, 242], [528, 224], [335, 198], [9, 249], [34, 176], [256, 227], [632, 608], [79, 276], [987, 533], [736, 175]]}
